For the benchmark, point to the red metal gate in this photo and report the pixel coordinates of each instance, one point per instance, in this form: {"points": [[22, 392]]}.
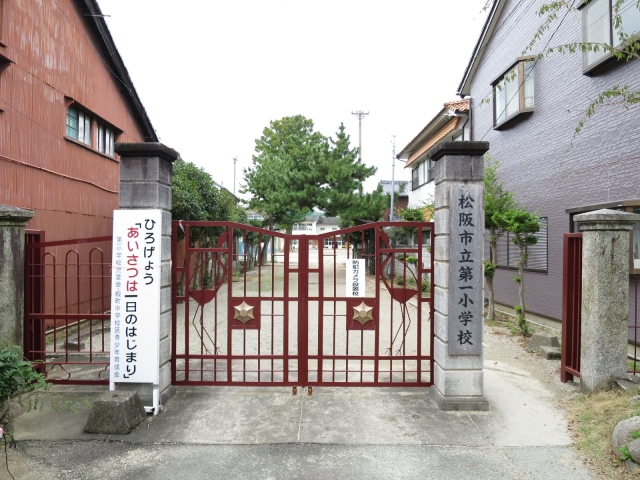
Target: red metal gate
{"points": [[258, 307], [571, 306], [66, 304]]}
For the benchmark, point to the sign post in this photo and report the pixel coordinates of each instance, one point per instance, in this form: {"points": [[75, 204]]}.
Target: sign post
{"points": [[135, 299]]}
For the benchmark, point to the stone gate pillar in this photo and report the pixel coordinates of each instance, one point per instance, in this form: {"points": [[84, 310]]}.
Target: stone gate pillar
{"points": [[146, 173], [458, 277], [12, 224], [605, 296]]}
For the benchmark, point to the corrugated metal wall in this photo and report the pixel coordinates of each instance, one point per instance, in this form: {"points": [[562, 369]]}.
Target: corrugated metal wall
{"points": [[56, 59]]}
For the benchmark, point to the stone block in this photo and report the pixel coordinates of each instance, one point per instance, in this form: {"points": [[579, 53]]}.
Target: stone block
{"points": [[622, 433], [441, 219], [165, 350], [442, 249], [605, 297], [542, 340], [165, 381], [459, 403], [133, 169], [165, 299], [459, 169], [458, 383], [125, 197], [441, 274], [634, 450], [150, 195], [166, 223], [441, 300], [550, 353], [454, 362], [626, 385], [117, 412], [166, 249], [165, 324], [442, 197], [441, 326], [146, 149]]}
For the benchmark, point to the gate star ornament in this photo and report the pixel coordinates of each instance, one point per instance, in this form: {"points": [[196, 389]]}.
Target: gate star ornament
{"points": [[362, 313], [244, 312]]}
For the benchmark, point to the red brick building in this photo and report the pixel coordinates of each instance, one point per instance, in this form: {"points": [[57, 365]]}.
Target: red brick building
{"points": [[65, 99]]}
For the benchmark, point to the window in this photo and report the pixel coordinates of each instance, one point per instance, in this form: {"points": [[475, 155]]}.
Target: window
{"points": [[335, 242], [105, 140], [414, 179], [513, 92], [599, 27], [422, 173], [507, 251], [431, 174], [78, 125]]}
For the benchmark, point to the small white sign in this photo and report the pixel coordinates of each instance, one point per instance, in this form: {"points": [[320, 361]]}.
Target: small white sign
{"points": [[135, 296], [355, 278]]}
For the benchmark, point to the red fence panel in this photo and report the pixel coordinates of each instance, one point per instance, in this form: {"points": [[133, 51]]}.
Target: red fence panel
{"points": [[67, 305], [571, 306]]}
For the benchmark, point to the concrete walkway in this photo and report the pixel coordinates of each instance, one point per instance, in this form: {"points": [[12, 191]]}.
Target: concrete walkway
{"points": [[342, 433]]}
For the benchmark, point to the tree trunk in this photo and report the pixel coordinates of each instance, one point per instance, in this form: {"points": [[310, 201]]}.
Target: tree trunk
{"points": [[493, 258], [523, 314], [491, 311]]}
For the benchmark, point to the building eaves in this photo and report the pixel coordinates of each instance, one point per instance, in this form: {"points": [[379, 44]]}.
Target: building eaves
{"points": [[433, 128], [93, 15], [483, 40], [443, 132]]}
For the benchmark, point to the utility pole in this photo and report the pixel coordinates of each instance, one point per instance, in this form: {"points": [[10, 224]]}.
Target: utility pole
{"points": [[235, 160], [360, 115], [393, 169]]}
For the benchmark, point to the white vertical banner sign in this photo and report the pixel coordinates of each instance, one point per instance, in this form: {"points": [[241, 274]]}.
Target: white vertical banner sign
{"points": [[465, 270], [355, 278], [135, 296]]}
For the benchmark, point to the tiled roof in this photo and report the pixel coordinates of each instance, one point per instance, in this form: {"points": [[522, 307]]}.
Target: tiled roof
{"points": [[458, 105], [443, 132]]}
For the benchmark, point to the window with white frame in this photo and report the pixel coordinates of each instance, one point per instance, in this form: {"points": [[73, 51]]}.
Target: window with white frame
{"points": [[513, 92], [607, 22], [78, 125], [421, 174], [105, 140]]}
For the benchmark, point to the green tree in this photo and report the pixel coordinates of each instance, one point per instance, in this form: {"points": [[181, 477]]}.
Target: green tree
{"points": [[195, 197], [523, 225], [340, 174], [297, 169], [282, 180], [497, 200]]}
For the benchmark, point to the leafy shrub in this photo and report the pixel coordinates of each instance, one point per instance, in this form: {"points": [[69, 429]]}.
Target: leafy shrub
{"points": [[18, 377]]}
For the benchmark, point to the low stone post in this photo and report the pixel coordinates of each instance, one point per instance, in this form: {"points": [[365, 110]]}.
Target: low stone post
{"points": [[605, 296], [458, 277], [146, 175], [12, 225]]}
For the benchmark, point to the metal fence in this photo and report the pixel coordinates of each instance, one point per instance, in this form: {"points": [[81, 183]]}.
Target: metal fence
{"points": [[67, 304]]}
